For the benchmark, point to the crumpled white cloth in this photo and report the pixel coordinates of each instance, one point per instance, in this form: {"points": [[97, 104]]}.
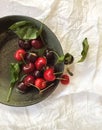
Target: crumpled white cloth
{"points": [[76, 106]]}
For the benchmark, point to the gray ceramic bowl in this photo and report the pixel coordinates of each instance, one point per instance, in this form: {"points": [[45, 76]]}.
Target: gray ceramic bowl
{"points": [[8, 45]]}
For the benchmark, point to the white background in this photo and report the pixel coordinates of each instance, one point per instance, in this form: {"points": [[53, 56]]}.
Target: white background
{"points": [[77, 106]]}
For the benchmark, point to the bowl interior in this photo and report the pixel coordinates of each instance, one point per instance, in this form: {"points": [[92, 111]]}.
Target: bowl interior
{"points": [[8, 45]]}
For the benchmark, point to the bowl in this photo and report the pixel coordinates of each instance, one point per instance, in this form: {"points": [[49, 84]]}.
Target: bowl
{"points": [[8, 45]]}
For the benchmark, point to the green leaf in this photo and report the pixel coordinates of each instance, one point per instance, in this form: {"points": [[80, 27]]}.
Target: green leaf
{"points": [[68, 59], [85, 50], [40, 30], [15, 71], [18, 24], [26, 30], [60, 59]]}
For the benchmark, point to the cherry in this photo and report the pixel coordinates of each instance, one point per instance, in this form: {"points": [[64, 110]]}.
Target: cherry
{"points": [[37, 43], [38, 74], [26, 45], [50, 56], [31, 57], [49, 74], [27, 68], [40, 83], [65, 79], [19, 54], [21, 87], [28, 80], [40, 63]]}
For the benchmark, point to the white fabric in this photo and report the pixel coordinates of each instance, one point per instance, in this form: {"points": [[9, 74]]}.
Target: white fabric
{"points": [[77, 106]]}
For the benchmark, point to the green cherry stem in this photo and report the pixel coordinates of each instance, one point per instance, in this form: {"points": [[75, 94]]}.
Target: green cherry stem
{"points": [[23, 77], [59, 58], [42, 39], [61, 79], [69, 72], [58, 73], [9, 93], [56, 54], [34, 86], [22, 58], [41, 91]]}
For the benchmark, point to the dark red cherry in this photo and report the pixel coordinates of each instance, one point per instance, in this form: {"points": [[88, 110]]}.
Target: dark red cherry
{"points": [[21, 87], [31, 57], [49, 53], [37, 43], [26, 45], [38, 74], [29, 80], [28, 68], [50, 56]]}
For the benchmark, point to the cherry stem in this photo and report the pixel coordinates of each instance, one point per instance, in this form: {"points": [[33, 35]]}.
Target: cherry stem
{"points": [[69, 72], [61, 79], [58, 73], [55, 53], [32, 53], [41, 91], [42, 39], [23, 77], [22, 58], [9, 93], [34, 86]]}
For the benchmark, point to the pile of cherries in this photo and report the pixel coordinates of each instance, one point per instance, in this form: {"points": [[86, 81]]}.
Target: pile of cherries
{"points": [[38, 71]]}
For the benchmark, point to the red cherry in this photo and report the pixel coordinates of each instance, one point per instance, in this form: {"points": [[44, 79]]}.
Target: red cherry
{"points": [[65, 79], [40, 83], [27, 68], [19, 54], [40, 63], [49, 74], [37, 44], [28, 80]]}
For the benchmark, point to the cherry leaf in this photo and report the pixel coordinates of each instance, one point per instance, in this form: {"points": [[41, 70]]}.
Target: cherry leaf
{"points": [[15, 71], [85, 50], [68, 59], [26, 30]]}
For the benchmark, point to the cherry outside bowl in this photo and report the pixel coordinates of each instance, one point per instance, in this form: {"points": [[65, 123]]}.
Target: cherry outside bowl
{"points": [[8, 45]]}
